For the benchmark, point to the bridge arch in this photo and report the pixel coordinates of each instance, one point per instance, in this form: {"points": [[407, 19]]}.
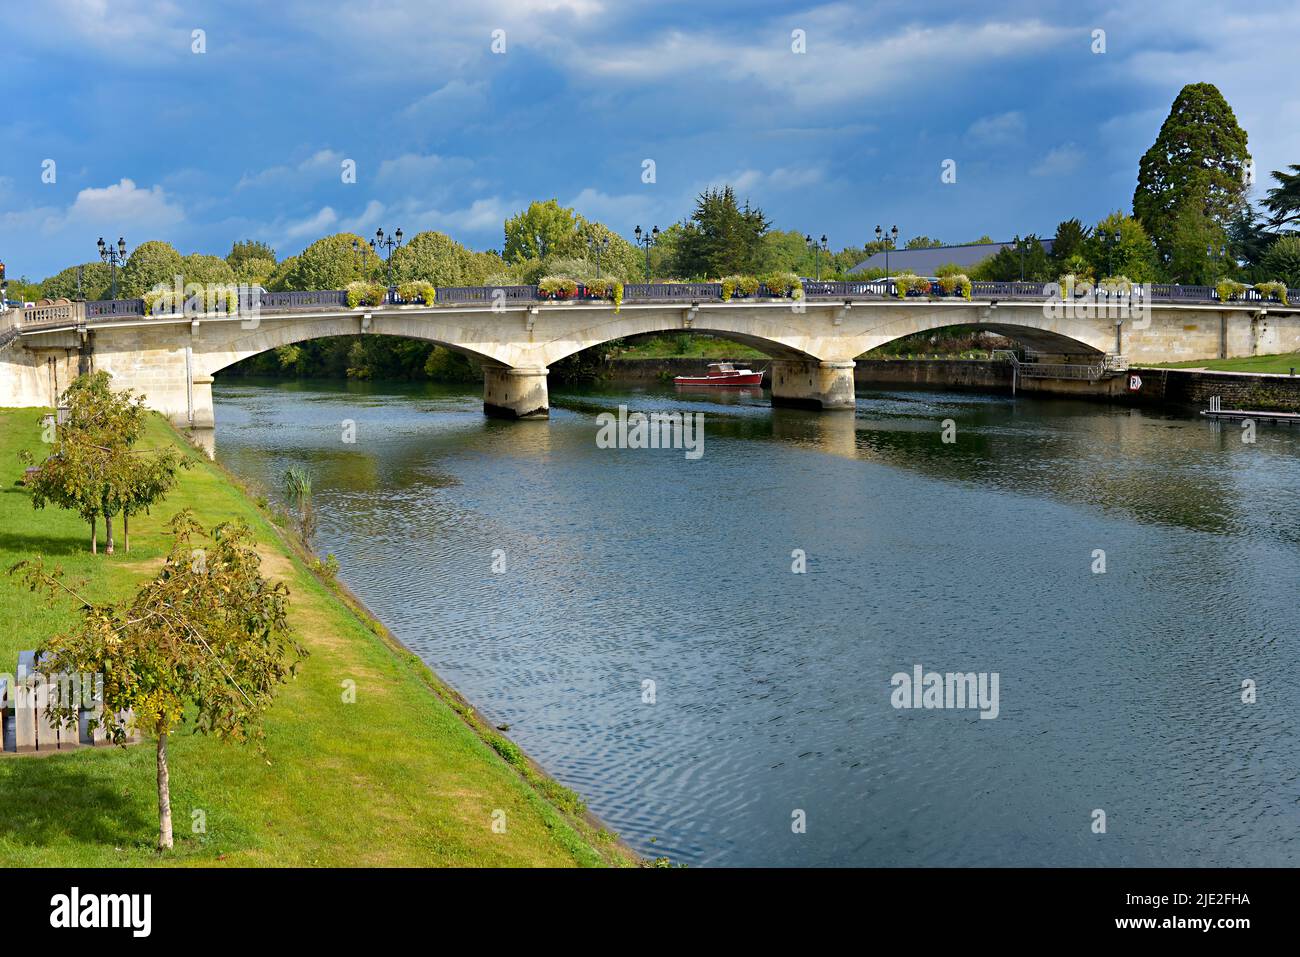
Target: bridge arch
{"points": [[828, 332], [766, 335], [269, 335], [1029, 326]]}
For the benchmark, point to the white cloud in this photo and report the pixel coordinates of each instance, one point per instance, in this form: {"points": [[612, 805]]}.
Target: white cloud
{"points": [[748, 181], [1059, 161], [121, 28], [365, 221], [793, 177], [998, 129], [836, 68], [410, 168], [453, 97], [618, 211], [123, 205], [313, 226], [304, 173], [480, 216]]}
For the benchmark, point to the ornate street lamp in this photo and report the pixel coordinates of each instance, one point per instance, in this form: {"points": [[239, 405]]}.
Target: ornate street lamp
{"points": [[115, 256], [890, 240], [389, 243], [1110, 242], [1021, 246], [818, 247], [362, 252], [598, 246], [650, 239]]}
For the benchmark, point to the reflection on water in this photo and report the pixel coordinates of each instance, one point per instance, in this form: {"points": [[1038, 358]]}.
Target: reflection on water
{"points": [[1119, 691]]}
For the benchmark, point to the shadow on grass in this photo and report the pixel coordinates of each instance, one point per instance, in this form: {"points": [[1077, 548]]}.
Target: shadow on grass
{"points": [[19, 543], [50, 801]]}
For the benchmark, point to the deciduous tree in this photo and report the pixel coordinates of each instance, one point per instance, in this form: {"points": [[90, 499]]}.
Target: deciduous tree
{"points": [[149, 265], [209, 632], [92, 468]]}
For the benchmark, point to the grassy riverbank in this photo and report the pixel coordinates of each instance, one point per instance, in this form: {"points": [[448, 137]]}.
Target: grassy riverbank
{"points": [[406, 775], [1276, 364]]}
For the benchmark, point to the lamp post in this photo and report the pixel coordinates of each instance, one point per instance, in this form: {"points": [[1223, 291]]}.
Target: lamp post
{"points": [[890, 239], [388, 243], [115, 256], [1217, 256], [598, 246], [362, 252], [1021, 246], [818, 247], [1110, 242], [650, 239]]}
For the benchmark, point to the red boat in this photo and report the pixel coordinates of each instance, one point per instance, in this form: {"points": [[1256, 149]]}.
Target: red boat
{"points": [[722, 373]]}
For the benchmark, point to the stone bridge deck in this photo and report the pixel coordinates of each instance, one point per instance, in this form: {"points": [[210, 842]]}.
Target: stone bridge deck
{"points": [[517, 334]]}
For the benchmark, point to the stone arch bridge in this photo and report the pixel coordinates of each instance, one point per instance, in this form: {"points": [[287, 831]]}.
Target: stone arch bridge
{"points": [[516, 335]]}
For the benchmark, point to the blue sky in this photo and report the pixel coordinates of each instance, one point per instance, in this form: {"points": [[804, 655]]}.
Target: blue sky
{"points": [[247, 140]]}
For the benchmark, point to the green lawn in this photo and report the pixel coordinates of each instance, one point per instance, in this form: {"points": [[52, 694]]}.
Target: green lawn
{"points": [[405, 776], [1278, 364]]}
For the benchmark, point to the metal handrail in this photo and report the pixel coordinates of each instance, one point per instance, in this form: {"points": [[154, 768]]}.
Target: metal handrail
{"points": [[67, 313]]}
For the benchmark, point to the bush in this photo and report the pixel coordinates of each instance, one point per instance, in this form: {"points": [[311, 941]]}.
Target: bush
{"points": [[170, 302], [557, 287], [739, 286], [906, 282], [361, 293], [603, 288], [1229, 289], [955, 282], [1270, 289], [1283, 260], [327, 569], [414, 289], [1121, 285], [782, 284]]}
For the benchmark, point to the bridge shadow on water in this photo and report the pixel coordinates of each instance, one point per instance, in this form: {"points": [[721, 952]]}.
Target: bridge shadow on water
{"points": [[1167, 468]]}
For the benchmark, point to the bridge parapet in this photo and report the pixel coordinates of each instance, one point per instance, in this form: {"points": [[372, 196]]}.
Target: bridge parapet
{"points": [[59, 313], [690, 292]]}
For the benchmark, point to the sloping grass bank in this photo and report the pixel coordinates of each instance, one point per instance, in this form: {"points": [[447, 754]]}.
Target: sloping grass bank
{"points": [[1275, 364], [407, 775]]}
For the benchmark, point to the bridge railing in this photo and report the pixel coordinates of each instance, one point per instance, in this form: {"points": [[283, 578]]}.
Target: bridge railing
{"points": [[473, 294], [72, 313], [835, 289], [113, 308], [59, 313], [672, 291], [312, 299]]}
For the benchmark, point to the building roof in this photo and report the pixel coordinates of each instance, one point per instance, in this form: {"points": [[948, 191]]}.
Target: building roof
{"points": [[924, 262]]}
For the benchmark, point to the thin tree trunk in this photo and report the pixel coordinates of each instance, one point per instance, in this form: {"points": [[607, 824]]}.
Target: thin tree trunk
{"points": [[164, 797], [108, 534], [126, 532], [94, 537]]}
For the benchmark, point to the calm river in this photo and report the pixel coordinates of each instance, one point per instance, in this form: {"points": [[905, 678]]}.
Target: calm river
{"points": [[1118, 691]]}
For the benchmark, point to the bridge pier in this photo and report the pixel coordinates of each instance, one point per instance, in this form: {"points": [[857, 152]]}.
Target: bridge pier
{"points": [[813, 385], [515, 393], [201, 415]]}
